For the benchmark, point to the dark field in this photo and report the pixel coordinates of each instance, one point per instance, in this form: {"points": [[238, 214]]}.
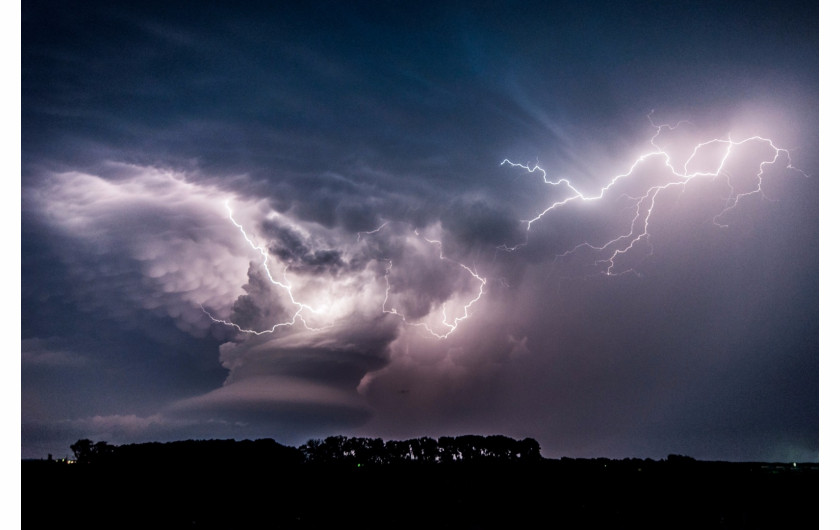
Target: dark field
{"points": [[259, 491]]}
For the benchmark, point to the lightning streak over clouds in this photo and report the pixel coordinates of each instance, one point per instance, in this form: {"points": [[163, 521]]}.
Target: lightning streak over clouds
{"points": [[449, 324], [286, 287], [676, 176], [290, 221], [375, 230], [452, 325]]}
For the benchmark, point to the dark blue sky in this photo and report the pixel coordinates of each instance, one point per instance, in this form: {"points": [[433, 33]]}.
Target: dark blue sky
{"points": [[334, 173]]}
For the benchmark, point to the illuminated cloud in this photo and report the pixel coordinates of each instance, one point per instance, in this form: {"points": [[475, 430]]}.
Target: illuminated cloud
{"points": [[296, 222], [307, 309], [707, 178]]}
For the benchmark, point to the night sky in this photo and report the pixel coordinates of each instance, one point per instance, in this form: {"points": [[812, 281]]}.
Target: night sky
{"points": [[590, 223]]}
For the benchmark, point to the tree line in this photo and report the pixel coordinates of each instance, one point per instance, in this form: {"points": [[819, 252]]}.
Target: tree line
{"points": [[333, 450]]}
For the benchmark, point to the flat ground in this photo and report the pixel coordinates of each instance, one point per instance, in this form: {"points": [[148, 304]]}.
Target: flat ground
{"points": [[584, 493]]}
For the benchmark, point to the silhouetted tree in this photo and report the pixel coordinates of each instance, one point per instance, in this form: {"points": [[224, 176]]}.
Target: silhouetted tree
{"points": [[426, 450], [86, 451], [82, 449], [448, 449], [375, 451], [398, 451], [529, 449], [470, 446]]}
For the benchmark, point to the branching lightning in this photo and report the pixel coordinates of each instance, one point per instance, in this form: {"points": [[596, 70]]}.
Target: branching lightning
{"points": [[711, 156], [452, 325], [645, 203], [283, 285]]}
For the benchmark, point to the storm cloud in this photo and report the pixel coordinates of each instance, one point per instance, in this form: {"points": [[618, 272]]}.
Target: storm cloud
{"points": [[296, 221]]}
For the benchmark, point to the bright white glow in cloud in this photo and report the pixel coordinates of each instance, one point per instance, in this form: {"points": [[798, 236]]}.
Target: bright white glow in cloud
{"points": [[736, 170], [191, 249]]}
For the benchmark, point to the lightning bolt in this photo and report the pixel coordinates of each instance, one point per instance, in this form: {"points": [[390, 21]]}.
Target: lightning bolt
{"points": [[284, 285], [450, 325], [635, 233], [369, 232], [645, 203]]}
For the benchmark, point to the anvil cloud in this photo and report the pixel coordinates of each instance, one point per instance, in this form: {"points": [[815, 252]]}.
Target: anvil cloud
{"points": [[295, 222]]}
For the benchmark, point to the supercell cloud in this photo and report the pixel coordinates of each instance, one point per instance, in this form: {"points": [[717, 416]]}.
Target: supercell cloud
{"points": [[400, 221]]}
